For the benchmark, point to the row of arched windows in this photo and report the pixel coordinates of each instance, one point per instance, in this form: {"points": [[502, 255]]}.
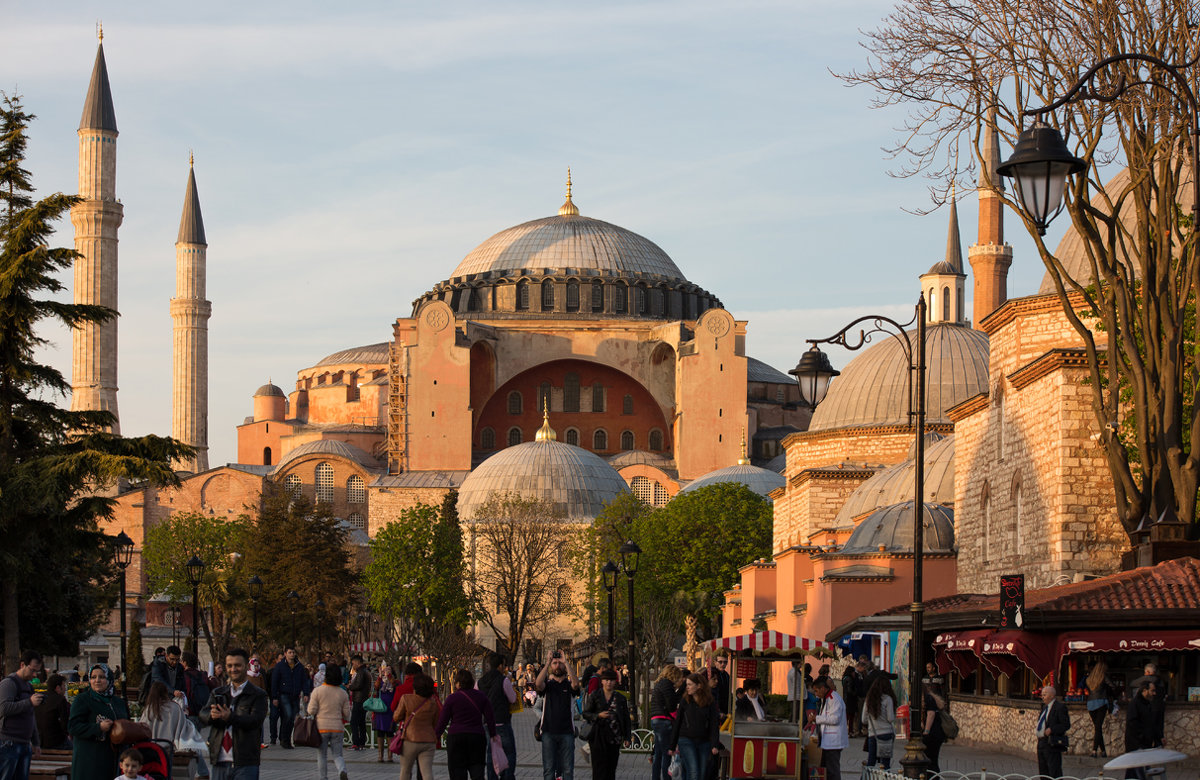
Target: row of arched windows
{"points": [[652, 300], [656, 440], [356, 489]]}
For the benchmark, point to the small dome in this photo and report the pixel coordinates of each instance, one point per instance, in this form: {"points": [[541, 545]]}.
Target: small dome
{"points": [[944, 268], [761, 481], [579, 483], [895, 485], [892, 529], [873, 388], [369, 354], [269, 389], [332, 448], [569, 241]]}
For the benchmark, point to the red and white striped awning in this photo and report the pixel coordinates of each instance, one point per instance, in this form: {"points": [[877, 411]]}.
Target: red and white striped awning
{"points": [[770, 643], [371, 647]]}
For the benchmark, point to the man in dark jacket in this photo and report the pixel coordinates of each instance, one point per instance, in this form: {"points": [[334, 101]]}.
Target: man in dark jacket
{"points": [[52, 715], [1052, 726], [167, 671], [496, 685], [235, 716], [19, 741], [195, 684], [289, 684], [360, 690]]}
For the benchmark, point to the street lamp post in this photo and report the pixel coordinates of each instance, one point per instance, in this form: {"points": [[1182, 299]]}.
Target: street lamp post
{"points": [[256, 587], [629, 562], [609, 572], [175, 613], [293, 599], [320, 605], [814, 373], [195, 571], [123, 556]]}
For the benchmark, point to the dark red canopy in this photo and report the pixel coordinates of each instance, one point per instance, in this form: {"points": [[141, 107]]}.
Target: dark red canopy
{"points": [[960, 650], [1004, 652], [1134, 640]]}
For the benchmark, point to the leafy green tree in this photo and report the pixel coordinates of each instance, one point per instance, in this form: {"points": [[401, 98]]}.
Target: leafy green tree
{"points": [[53, 462], [295, 545], [218, 543]]}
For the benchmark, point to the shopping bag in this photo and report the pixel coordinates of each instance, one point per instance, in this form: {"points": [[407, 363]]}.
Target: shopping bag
{"points": [[499, 758]]}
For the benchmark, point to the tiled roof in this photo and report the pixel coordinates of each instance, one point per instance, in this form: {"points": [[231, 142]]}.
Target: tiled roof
{"points": [[422, 479], [370, 354], [758, 371]]}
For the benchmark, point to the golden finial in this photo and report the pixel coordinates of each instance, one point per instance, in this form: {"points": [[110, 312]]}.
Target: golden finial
{"points": [[546, 433], [191, 159], [568, 209], [743, 461], [100, 30]]}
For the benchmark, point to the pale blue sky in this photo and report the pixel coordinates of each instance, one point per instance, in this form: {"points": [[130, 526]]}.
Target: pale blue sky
{"points": [[348, 159]]}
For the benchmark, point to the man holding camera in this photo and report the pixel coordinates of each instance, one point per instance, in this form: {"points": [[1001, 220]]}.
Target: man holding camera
{"points": [[235, 715], [558, 685]]}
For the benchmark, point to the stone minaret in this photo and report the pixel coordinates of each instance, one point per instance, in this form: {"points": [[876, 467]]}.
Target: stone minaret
{"points": [[990, 257], [96, 219], [944, 283], [190, 311]]}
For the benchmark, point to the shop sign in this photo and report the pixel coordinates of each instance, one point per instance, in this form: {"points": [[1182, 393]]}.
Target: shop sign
{"points": [[1012, 601]]}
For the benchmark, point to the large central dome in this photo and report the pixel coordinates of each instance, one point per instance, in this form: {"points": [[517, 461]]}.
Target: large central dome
{"points": [[569, 242]]}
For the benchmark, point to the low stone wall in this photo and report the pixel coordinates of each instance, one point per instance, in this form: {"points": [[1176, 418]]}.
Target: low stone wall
{"points": [[1008, 724]]}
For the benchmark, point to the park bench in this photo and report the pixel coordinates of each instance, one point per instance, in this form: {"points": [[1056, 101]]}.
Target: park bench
{"points": [[54, 768]]}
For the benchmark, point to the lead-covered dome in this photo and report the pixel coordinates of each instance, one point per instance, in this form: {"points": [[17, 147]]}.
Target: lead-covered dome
{"points": [[873, 388], [890, 529], [579, 483], [761, 481], [894, 485]]}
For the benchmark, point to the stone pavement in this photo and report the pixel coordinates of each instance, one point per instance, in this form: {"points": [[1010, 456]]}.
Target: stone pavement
{"points": [[301, 763]]}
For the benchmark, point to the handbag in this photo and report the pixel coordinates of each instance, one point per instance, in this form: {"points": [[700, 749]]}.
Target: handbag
{"points": [[125, 731], [396, 746], [374, 704], [305, 732], [1058, 741], [949, 725], [537, 727]]}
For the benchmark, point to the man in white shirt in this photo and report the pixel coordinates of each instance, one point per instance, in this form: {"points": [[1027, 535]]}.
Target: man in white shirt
{"points": [[831, 721], [235, 716]]}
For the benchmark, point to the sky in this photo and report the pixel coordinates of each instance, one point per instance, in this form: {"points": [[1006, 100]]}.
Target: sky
{"points": [[347, 158]]}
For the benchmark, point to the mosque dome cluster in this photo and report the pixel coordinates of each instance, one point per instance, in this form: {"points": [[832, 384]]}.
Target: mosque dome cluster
{"points": [[894, 485], [890, 529]]}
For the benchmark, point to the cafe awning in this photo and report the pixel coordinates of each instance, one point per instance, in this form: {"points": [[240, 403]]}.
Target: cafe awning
{"points": [[1128, 641], [959, 650], [770, 643], [1005, 652]]}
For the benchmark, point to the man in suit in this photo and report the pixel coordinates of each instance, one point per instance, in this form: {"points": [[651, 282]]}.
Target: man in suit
{"points": [[1053, 721]]}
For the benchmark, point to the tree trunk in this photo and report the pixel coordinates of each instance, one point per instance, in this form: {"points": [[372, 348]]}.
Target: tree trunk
{"points": [[12, 629]]}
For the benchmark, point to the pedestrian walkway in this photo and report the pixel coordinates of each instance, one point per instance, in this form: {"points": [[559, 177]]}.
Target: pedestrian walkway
{"points": [[301, 763]]}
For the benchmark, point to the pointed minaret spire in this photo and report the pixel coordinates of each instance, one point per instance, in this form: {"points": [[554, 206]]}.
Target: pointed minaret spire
{"points": [[744, 460], [953, 241], [96, 218], [944, 283], [190, 313], [545, 433], [568, 209], [990, 257]]}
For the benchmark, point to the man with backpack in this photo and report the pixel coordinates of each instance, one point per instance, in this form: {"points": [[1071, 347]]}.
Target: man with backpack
{"points": [[496, 685], [195, 684]]}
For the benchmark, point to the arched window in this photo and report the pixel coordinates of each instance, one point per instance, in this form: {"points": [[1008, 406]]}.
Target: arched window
{"points": [[543, 396], [571, 392], [600, 440], [523, 295], [514, 402], [514, 436], [929, 310], [597, 295], [945, 304], [266, 456], [356, 520], [650, 491], [547, 295], [324, 477], [627, 405], [656, 440], [1018, 511], [986, 515], [291, 483], [657, 301], [356, 490], [572, 437], [639, 300], [487, 439], [597, 397], [572, 296], [620, 298], [626, 440], [564, 598]]}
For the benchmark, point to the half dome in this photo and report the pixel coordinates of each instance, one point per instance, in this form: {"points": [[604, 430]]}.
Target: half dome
{"points": [[895, 485], [578, 483], [761, 481], [332, 448], [368, 354], [873, 388], [890, 529]]}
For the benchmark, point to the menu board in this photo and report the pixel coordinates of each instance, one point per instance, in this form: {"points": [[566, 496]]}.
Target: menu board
{"points": [[1012, 601]]}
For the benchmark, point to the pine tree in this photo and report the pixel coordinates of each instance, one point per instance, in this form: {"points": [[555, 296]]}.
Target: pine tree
{"points": [[51, 460]]}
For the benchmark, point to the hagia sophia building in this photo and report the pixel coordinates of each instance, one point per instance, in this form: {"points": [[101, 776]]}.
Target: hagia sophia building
{"points": [[571, 359]]}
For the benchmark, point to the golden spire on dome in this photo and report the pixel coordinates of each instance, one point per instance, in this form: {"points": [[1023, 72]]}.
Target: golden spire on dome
{"points": [[568, 209], [100, 30], [546, 433], [743, 461], [191, 159]]}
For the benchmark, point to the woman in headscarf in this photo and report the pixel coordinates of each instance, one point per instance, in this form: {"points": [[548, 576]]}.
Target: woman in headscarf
{"points": [[385, 689], [93, 756]]}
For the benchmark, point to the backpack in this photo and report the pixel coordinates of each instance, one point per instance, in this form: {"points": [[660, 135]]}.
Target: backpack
{"points": [[144, 688], [196, 687], [949, 725]]}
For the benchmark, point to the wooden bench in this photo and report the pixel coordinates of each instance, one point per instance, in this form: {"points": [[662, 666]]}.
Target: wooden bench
{"points": [[53, 769]]}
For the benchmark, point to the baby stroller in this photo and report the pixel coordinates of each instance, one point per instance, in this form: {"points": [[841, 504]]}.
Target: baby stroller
{"points": [[157, 756]]}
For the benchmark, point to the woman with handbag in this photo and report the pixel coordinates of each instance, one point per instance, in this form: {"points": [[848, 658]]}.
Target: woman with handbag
{"points": [[608, 713], [935, 735], [93, 714], [415, 716], [664, 700], [469, 722], [381, 720], [169, 721], [330, 705], [878, 713]]}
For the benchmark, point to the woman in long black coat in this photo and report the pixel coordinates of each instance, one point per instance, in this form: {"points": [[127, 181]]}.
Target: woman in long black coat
{"points": [[608, 712], [93, 756]]}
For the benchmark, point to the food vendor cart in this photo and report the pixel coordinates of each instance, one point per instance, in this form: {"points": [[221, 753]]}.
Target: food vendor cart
{"points": [[767, 749]]}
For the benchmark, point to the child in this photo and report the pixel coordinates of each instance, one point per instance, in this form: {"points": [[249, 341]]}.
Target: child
{"points": [[131, 765]]}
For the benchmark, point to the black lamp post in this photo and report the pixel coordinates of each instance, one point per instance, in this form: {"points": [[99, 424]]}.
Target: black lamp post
{"points": [[320, 605], [174, 613], [609, 572], [195, 571], [629, 562], [256, 587], [1041, 162], [815, 371], [293, 599], [123, 556]]}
